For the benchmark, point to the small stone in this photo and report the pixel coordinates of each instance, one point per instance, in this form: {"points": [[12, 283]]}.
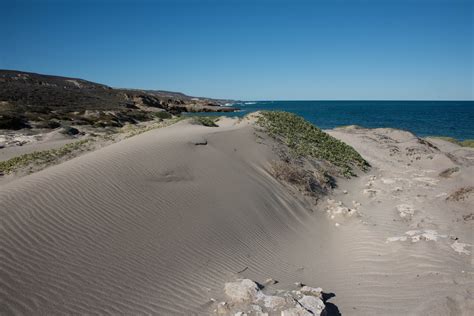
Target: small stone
{"points": [[222, 308], [270, 281], [256, 308], [242, 290], [344, 191], [406, 211]]}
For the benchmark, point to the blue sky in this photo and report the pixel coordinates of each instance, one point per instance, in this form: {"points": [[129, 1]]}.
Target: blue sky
{"points": [[280, 50]]}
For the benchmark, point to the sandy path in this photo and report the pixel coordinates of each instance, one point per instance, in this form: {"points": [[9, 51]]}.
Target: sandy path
{"points": [[156, 224]]}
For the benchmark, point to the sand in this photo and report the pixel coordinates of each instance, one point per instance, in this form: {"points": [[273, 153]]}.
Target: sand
{"points": [[160, 222]]}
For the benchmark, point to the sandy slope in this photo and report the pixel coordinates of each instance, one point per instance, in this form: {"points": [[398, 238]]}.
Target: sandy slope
{"points": [[156, 224], [405, 193]]}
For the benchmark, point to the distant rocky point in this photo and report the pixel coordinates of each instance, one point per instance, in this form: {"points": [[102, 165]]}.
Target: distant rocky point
{"points": [[28, 99]]}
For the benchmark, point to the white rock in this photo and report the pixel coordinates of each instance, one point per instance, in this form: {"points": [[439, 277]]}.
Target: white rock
{"points": [[417, 235], [406, 211], [296, 311], [256, 308], [222, 308], [242, 290], [312, 304], [273, 302], [314, 291], [460, 247]]}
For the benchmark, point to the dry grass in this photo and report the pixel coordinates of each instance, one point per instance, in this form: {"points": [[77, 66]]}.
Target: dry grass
{"points": [[305, 180], [463, 143], [460, 194], [448, 172], [43, 157]]}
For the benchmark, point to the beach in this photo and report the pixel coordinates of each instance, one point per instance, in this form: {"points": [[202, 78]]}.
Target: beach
{"points": [[160, 223]]}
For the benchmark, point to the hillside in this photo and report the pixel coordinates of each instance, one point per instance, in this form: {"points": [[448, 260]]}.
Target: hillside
{"points": [[26, 98]]}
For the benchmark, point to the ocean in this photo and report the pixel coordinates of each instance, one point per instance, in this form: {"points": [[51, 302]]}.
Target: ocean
{"points": [[423, 118]]}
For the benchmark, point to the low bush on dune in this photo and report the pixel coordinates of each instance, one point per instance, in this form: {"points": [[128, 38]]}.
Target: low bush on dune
{"points": [[206, 121], [460, 194], [40, 157], [162, 115], [468, 143], [14, 123], [305, 139], [463, 143], [311, 182]]}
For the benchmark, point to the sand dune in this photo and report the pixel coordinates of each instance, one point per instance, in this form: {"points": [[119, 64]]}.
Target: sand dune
{"points": [[158, 223]]}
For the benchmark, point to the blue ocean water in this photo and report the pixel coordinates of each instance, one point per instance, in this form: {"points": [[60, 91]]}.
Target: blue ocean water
{"points": [[423, 118]]}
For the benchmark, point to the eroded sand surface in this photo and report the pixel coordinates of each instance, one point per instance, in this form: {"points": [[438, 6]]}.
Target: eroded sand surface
{"points": [[160, 222]]}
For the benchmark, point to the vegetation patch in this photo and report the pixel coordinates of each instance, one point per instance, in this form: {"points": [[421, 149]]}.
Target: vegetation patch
{"points": [[133, 131], [208, 121], [162, 115], [305, 180], [460, 194], [305, 139], [40, 157], [448, 172], [13, 122], [463, 143]]}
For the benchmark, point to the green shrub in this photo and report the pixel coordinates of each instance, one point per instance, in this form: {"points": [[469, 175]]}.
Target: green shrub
{"points": [[468, 143], [305, 139], [162, 115], [463, 143], [13, 122], [206, 121], [51, 124], [40, 157]]}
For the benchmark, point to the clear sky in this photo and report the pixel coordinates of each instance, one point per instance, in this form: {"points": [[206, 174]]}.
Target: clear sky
{"points": [[251, 50]]}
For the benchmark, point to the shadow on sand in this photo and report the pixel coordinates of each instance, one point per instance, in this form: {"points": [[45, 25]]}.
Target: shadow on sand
{"points": [[330, 309]]}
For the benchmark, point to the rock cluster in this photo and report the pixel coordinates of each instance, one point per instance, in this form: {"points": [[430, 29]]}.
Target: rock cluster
{"points": [[245, 297]]}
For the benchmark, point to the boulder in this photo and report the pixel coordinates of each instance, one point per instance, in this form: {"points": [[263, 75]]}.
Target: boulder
{"points": [[313, 304], [242, 290]]}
